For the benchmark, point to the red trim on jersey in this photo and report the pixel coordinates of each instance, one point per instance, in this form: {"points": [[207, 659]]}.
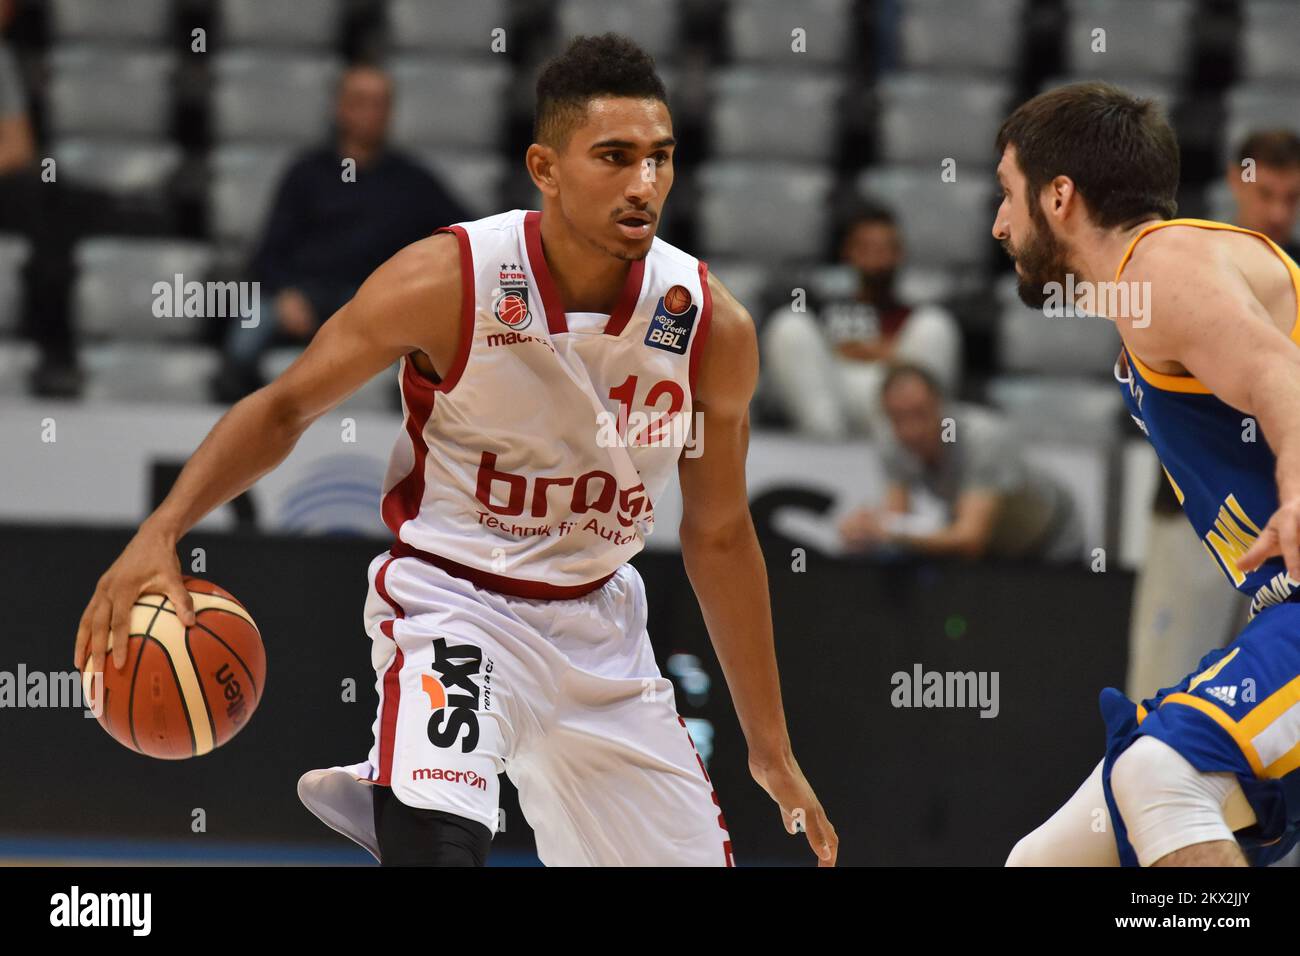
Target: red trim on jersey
{"points": [[392, 685], [627, 300], [467, 310], [515, 587], [726, 842], [555, 319], [702, 330], [402, 503]]}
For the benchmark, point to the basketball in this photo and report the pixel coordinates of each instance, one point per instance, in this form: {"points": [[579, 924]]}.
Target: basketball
{"points": [[184, 691], [677, 300]]}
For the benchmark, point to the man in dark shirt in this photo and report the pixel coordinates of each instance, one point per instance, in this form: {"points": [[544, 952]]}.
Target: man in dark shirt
{"points": [[339, 212]]}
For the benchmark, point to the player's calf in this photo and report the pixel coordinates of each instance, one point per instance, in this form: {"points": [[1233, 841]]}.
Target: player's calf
{"points": [[411, 836]]}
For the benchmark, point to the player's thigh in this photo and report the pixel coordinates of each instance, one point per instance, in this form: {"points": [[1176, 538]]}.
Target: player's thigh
{"points": [[1077, 834], [620, 783]]}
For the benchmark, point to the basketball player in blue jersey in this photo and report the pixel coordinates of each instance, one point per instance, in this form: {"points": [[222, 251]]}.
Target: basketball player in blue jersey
{"points": [[1206, 772]]}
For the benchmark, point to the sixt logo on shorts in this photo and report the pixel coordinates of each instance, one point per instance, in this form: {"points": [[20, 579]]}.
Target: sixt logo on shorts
{"points": [[454, 693], [510, 297], [670, 327]]}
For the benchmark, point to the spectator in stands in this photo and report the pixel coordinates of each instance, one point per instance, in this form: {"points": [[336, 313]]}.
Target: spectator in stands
{"points": [[1271, 203], [826, 365], [325, 233], [31, 208], [958, 484]]}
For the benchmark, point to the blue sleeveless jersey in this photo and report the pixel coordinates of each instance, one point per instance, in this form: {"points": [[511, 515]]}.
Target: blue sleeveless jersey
{"points": [[1215, 457]]}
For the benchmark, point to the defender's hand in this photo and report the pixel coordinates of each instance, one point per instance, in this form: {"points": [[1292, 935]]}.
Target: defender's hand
{"points": [[1281, 536]]}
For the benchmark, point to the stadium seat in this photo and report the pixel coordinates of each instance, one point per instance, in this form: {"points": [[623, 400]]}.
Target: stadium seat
{"points": [[654, 25], [747, 281], [110, 91], [1058, 408], [944, 224], [18, 357], [928, 41], [1130, 32], [769, 211], [115, 295], [777, 114], [241, 187], [1270, 39], [1258, 106], [281, 96], [285, 23], [762, 30], [927, 118], [1029, 342], [158, 373], [14, 252], [474, 178], [442, 102], [453, 26], [110, 20], [120, 167]]}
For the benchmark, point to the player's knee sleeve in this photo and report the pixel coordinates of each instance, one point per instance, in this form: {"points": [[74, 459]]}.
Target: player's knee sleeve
{"points": [[411, 836], [1167, 804]]}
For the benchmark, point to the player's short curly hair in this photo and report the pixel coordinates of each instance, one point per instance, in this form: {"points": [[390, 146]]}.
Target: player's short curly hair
{"points": [[591, 66]]}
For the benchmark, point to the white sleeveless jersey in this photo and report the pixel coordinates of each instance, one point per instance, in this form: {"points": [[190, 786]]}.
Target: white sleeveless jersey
{"points": [[533, 466]]}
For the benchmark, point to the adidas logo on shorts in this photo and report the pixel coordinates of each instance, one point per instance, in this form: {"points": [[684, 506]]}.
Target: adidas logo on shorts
{"points": [[1226, 694]]}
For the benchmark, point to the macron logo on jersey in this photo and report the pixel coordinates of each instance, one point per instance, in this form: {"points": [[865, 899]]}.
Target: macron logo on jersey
{"points": [[670, 327]]}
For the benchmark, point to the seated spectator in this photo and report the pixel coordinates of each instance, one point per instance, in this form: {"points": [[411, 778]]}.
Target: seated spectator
{"points": [[326, 234], [963, 462], [1271, 203], [33, 209], [825, 365]]}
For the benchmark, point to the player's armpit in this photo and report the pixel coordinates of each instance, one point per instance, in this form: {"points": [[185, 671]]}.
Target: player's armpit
{"points": [[411, 302]]}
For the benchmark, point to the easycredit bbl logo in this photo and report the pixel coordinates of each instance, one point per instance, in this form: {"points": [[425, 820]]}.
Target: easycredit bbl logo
{"points": [[455, 695], [670, 326]]}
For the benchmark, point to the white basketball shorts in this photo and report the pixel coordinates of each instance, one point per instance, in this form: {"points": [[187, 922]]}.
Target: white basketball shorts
{"points": [[564, 696]]}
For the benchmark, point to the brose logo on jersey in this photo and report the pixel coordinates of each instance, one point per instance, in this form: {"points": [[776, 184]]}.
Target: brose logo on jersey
{"points": [[457, 667], [670, 326], [510, 298]]}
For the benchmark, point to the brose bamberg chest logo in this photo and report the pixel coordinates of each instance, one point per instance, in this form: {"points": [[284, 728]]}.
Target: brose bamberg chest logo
{"points": [[510, 297], [670, 326], [454, 694]]}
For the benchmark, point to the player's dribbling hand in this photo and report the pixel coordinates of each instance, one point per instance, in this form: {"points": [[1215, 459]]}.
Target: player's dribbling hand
{"points": [[148, 565], [1281, 536], [800, 808]]}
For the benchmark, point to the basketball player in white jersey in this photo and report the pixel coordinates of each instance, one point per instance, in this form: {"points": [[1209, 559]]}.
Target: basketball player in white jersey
{"points": [[508, 630]]}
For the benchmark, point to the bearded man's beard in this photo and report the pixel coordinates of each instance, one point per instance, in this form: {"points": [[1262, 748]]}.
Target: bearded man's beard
{"points": [[1042, 259]]}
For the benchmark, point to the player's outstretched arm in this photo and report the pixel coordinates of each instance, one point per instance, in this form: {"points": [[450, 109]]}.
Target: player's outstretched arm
{"points": [[1208, 320], [725, 565], [410, 302]]}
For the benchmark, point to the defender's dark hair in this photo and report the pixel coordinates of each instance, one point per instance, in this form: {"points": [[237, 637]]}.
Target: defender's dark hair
{"points": [[1275, 148], [1119, 149], [591, 66], [862, 212]]}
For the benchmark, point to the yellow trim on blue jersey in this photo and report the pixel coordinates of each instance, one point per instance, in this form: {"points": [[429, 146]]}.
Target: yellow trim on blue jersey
{"points": [[1178, 492], [1142, 713], [1210, 672], [1243, 741], [1264, 713], [1188, 383]]}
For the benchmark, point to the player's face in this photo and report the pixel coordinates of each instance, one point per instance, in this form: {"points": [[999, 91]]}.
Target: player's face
{"points": [[615, 173], [1023, 230], [915, 414], [1271, 203]]}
